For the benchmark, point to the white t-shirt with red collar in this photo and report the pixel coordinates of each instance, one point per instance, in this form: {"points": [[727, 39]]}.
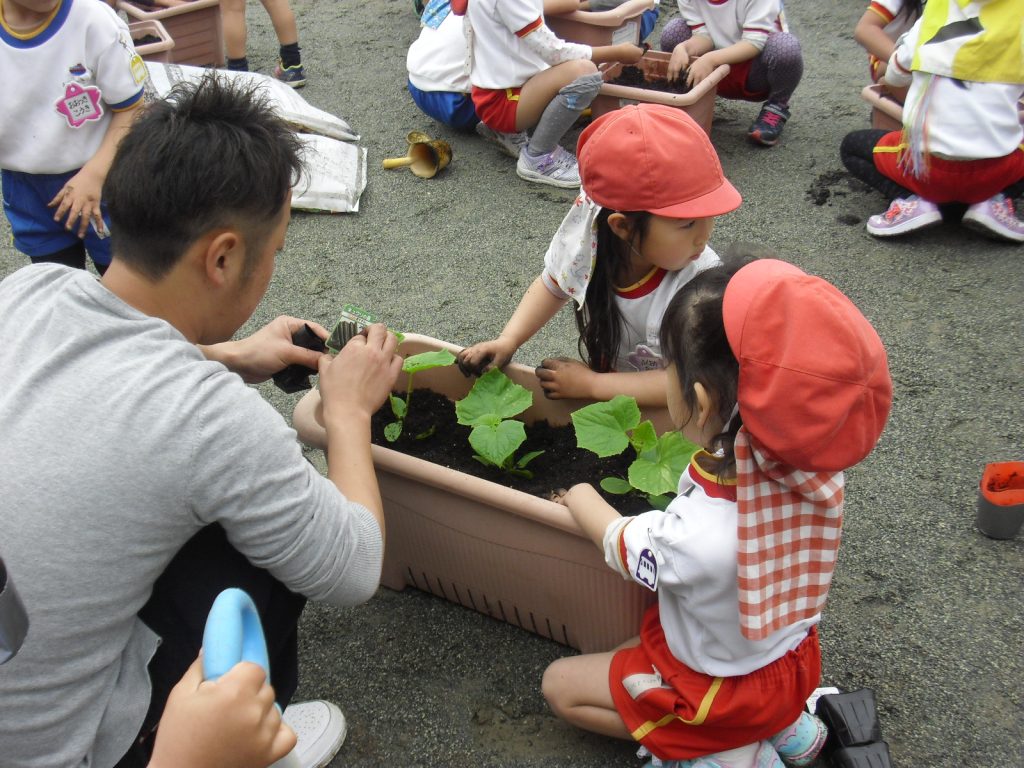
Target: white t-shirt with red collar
{"points": [[688, 555], [62, 80], [730, 21]]}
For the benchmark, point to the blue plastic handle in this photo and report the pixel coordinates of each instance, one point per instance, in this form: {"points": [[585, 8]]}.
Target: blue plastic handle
{"points": [[233, 633]]}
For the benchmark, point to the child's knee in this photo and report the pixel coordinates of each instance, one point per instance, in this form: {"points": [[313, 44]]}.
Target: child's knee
{"points": [[675, 32], [553, 686], [782, 47], [580, 92]]}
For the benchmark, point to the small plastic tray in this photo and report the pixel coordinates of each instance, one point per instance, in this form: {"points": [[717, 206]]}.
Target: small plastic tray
{"points": [[194, 25]]}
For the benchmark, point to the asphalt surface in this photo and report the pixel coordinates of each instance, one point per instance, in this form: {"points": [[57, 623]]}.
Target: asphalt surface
{"points": [[924, 609]]}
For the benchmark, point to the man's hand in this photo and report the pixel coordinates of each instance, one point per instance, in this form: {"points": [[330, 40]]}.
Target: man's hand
{"points": [[562, 377], [230, 723], [79, 200], [258, 357], [361, 377]]}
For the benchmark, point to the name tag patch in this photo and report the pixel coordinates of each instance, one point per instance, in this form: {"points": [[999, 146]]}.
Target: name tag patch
{"points": [[647, 569]]}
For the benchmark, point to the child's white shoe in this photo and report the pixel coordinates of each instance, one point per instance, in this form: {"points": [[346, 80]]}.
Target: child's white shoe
{"points": [[557, 168], [509, 143], [995, 218]]}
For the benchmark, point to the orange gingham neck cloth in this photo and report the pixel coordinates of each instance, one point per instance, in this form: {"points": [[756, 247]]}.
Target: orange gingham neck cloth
{"points": [[790, 523]]}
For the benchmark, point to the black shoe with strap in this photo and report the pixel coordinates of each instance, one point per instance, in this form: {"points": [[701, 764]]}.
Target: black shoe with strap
{"points": [[767, 129]]}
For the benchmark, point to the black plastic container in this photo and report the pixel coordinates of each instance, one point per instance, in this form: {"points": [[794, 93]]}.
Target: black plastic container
{"points": [[873, 755], [851, 718]]}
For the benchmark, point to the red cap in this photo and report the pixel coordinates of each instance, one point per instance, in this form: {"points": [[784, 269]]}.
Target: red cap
{"points": [[814, 386], [671, 168]]}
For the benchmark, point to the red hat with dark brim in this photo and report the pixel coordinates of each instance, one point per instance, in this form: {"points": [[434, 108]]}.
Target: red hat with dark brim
{"points": [[814, 386]]}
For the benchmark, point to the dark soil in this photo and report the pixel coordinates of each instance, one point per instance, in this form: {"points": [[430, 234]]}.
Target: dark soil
{"points": [[145, 40], [562, 464], [634, 78]]}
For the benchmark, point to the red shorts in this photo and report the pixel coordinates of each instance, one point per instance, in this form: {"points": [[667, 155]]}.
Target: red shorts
{"points": [[734, 85], [497, 108], [950, 181], [700, 714]]}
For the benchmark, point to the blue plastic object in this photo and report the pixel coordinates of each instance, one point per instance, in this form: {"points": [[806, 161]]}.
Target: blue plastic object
{"points": [[233, 633]]}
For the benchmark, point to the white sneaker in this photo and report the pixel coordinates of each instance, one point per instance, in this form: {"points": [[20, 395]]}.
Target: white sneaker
{"points": [[509, 143], [557, 168], [905, 215], [321, 730], [996, 218]]}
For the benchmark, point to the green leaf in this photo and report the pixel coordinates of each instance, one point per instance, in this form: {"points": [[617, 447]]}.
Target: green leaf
{"points": [[660, 502], [493, 397], [424, 361], [399, 335], [398, 406], [497, 443], [393, 431], [657, 470], [526, 458], [616, 485], [603, 427], [644, 437]]}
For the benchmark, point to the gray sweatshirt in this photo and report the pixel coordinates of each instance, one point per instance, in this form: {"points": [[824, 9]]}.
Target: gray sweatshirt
{"points": [[118, 442]]}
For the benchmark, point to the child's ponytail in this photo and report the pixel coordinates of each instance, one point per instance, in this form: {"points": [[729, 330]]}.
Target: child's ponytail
{"points": [[693, 339], [599, 319]]}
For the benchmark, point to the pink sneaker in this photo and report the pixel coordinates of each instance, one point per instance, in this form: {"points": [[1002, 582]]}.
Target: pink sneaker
{"points": [[904, 215], [995, 218]]}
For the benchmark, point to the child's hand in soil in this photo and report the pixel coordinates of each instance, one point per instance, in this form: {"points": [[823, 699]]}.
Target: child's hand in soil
{"points": [[628, 53], [678, 62], [480, 358], [258, 357], [79, 200], [700, 68], [563, 377]]}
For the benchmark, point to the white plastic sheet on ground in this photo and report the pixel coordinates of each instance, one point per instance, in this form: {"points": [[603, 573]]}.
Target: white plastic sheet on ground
{"points": [[334, 175]]}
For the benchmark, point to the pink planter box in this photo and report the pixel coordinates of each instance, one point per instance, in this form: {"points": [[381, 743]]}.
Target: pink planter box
{"points": [[886, 113], [194, 25], [160, 51], [619, 25], [513, 556], [699, 103]]}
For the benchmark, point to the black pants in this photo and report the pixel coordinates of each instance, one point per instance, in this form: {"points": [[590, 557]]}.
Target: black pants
{"points": [[857, 154], [177, 611]]}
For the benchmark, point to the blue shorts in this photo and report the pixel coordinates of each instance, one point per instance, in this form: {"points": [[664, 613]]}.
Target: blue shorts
{"points": [[36, 234], [453, 109], [647, 21]]}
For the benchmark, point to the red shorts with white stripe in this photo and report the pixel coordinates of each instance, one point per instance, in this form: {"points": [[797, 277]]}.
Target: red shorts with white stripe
{"points": [[950, 181], [497, 108], [734, 85], [688, 714]]}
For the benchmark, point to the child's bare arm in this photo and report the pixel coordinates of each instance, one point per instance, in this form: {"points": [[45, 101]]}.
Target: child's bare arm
{"points": [[79, 199], [535, 309], [870, 33], [705, 64], [564, 378], [555, 7], [627, 53], [591, 512]]}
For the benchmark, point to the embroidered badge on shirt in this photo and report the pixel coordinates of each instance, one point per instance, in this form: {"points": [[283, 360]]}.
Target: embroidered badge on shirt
{"points": [[647, 569], [79, 105]]}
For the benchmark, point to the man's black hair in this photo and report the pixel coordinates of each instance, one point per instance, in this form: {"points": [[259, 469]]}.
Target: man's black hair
{"points": [[211, 155]]}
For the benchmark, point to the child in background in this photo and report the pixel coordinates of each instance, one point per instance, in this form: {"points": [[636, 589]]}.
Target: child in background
{"points": [[648, 19], [525, 77], [652, 185], [882, 23], [289, 66], [961, 137], [752, 37], [79, 83], [784, 383]]}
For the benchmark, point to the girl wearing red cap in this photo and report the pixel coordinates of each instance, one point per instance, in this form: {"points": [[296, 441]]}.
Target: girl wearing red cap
{"points": [[636, 233], [785, 383]]}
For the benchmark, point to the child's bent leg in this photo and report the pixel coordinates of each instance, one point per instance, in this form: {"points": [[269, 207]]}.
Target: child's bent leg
{"points": [[857, 154], [283, 18], [675, 32], [576, 689], [778, 69], [543, 90]]}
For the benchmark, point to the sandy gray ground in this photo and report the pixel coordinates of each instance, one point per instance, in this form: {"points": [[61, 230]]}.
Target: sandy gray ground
{"points": [[923, 609]]}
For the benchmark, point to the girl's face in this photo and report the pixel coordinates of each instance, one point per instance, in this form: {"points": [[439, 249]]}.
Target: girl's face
{"points": [[673, 243]]}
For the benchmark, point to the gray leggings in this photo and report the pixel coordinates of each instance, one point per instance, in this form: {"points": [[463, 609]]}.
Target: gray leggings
{"points": [[776, 70]]}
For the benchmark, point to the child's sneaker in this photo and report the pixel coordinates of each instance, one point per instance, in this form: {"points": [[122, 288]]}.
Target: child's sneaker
{"points": [[904, 215], [557, 168], [996, 218], [767, 128], [761, 754], [509, 143], [293, 76], [800, 743], [321, 730]]}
